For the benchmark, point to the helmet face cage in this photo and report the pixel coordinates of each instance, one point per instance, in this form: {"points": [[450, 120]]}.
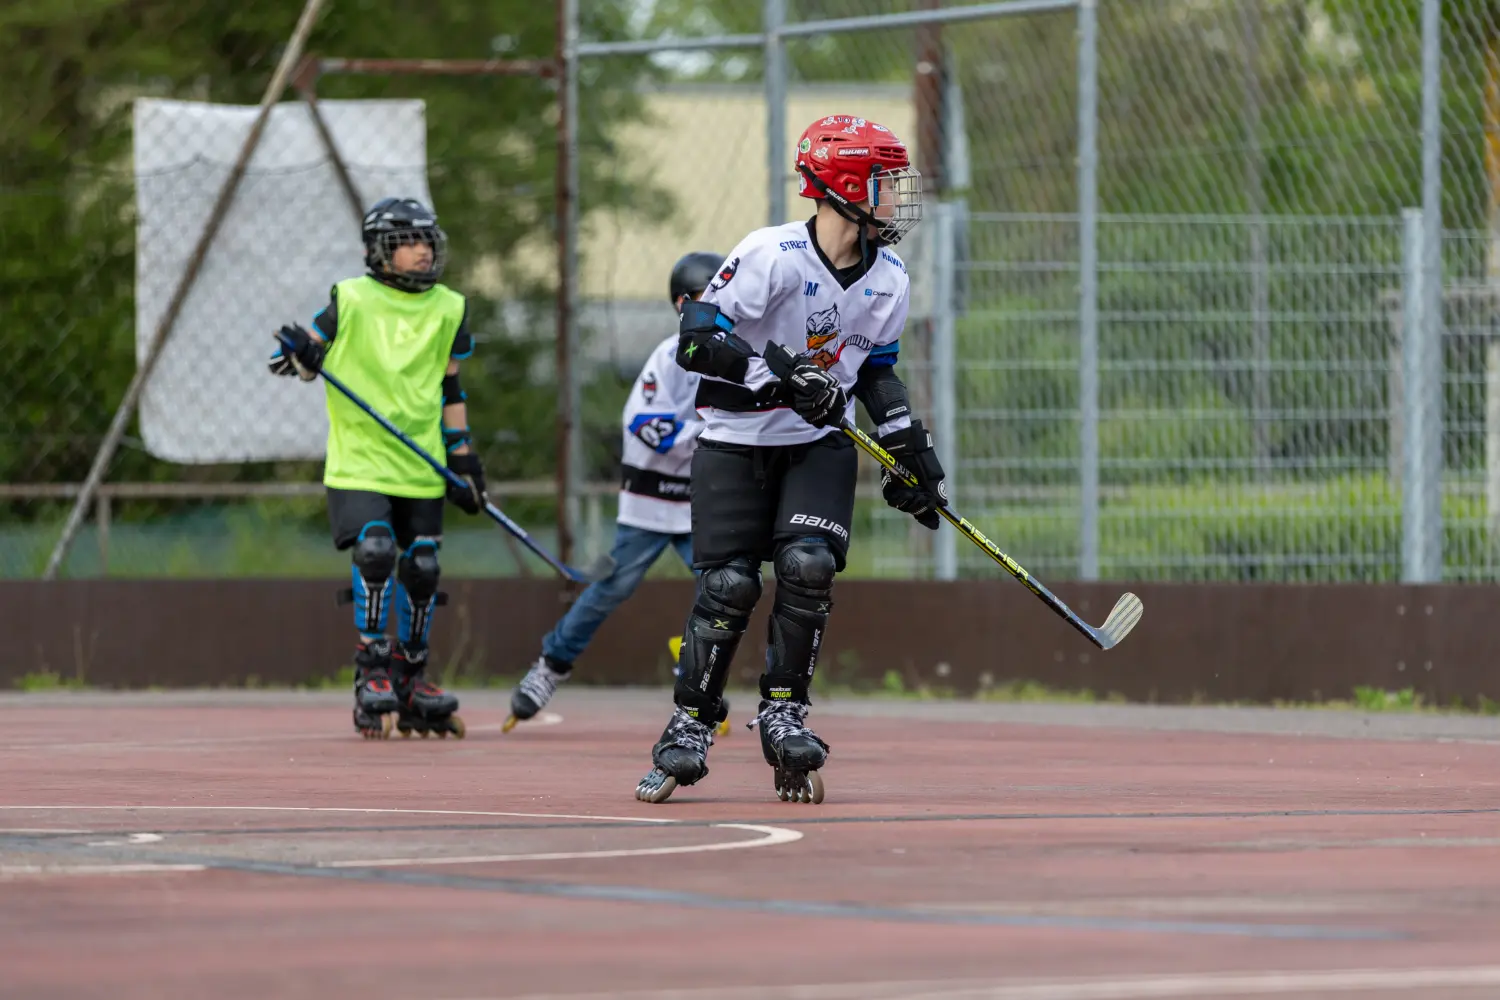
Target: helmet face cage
{"points": [[895, 198], [895, 202], [382, 252]]}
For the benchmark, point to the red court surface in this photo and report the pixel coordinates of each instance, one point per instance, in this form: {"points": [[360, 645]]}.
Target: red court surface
{"points": [[250, 845]]}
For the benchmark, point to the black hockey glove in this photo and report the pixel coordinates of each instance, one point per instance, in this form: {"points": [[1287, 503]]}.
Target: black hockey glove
{"points": [[912, 447], [467, 466], [809, 390], [816, 395], [300, 354]]}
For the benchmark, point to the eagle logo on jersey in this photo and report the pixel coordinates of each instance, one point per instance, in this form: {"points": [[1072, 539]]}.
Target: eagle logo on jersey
{"points": [[822, 327], [648, 386]]}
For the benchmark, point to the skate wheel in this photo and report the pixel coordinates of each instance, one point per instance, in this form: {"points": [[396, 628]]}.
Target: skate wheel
{"points": [[723, 729], [405, 732], [457, 725], [799, 786], [509, 723], [442, 734], [656, 787], [425, 734]]}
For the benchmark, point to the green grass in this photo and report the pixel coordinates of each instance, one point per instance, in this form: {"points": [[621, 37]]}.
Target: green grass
{"points": [[891, 686], [1340, 529], [50, 680]]}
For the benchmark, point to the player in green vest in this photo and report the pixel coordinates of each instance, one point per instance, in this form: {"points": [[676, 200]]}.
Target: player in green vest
{"points": [[395, 336]]}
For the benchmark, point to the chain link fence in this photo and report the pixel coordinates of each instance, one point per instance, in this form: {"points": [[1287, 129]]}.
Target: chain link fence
{"points": [[1170, 321], [111, 157]]}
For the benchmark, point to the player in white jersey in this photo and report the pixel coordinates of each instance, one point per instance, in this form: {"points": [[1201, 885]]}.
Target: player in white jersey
{"points": [[661, 428], [773, 477]]}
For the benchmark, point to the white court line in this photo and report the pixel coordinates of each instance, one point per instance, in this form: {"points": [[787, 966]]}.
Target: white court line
{"points": [[141, 869], [544, 719], [772, 835], [1197, 987], [25, 830], [342, 809], [131, 839]]}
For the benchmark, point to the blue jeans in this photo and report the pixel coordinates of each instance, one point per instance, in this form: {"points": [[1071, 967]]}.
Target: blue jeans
{"points": [[634, 552]]}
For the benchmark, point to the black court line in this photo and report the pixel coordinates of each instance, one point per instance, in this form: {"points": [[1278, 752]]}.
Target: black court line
{"points": [[812, 909], [779, 820]]}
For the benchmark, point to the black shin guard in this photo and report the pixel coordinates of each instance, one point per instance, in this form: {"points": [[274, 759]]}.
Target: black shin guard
{"points": [[794, 635], [804, 598], [417, 574], [720, 616], [374, 559]]}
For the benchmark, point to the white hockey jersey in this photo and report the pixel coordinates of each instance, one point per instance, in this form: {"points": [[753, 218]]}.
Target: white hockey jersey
{"points": [[661, 430], [777, 286]]}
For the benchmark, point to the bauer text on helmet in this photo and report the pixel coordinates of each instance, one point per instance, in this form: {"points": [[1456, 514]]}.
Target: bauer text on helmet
{"points": [[862, 170]]}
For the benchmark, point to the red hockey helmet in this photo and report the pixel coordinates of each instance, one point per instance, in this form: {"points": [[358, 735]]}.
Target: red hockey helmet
{"points": [[849, 161]]}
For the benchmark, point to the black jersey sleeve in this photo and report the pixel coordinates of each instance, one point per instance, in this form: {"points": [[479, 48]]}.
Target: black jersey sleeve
{"points": [[326, 322], [463, 341]]}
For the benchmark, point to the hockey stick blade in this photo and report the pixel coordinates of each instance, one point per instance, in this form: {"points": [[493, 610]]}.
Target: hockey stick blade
{"points": [[1123, 617]]}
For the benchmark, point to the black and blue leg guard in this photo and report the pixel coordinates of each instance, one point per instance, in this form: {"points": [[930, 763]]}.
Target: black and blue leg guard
{"points": [[720, 616], [374, 562], [416, 593], [805, 568]]}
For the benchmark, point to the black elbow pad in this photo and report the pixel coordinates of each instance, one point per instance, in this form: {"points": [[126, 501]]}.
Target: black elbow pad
{"points": [[707, 344], [882, 392], [452, 391]]}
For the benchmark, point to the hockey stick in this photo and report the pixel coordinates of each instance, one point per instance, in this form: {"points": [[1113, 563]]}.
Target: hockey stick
{"points": [[1123, 617], [602, 566]]}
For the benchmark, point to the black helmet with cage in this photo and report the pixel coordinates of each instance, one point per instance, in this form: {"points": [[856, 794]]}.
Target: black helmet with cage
{"points": [[393, 222]]}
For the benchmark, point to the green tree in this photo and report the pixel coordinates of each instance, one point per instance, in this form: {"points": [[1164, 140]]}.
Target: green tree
{"points": [[69, 69]]}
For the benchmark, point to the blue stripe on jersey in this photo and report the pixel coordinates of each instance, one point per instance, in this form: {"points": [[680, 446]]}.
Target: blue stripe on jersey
{"points": [[885, 354]]}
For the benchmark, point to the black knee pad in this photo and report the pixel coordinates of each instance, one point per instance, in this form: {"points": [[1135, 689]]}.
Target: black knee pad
{"points": [[807, 564], [720, 616], [805, 570], [374, 561], [733, 587], [419, 570], [375, 552]]}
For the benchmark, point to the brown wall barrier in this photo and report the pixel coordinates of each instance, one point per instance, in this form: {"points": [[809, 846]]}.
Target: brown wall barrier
{"points": [[1248, 642]]}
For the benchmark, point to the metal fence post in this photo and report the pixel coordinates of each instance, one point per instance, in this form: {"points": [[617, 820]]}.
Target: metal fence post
{"points": [[1424, 353], [1088, 291], [1421, 473], [570, 423], [775, 84], [945, 377]]}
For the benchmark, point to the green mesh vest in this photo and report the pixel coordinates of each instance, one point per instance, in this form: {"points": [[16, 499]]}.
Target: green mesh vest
{"points": [[392, 348]]}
